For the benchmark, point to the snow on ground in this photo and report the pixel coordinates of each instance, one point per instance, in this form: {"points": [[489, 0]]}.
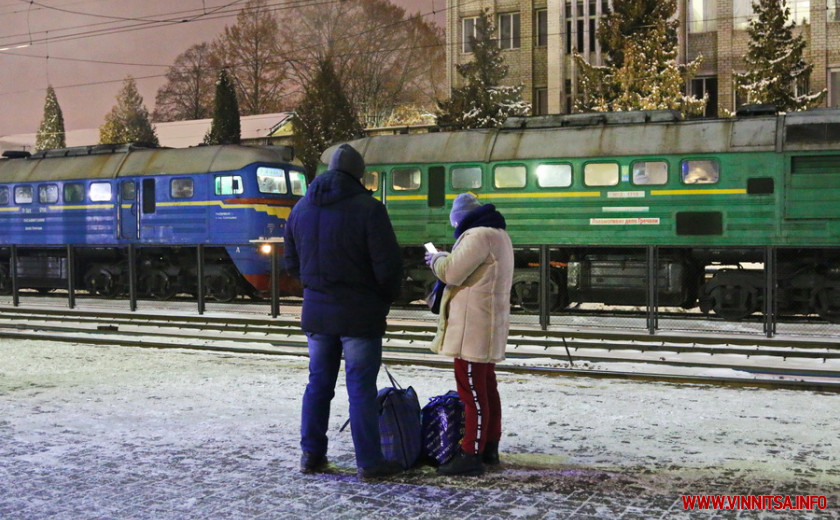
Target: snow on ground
{"points": [[57, 397]]}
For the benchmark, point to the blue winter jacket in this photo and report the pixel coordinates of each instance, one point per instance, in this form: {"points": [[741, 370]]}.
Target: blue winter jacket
{"points": [[339, 241]]}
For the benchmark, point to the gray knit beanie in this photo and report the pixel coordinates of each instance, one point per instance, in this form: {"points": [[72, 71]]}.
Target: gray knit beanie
{"points": [[463, 205], [348, 160]]}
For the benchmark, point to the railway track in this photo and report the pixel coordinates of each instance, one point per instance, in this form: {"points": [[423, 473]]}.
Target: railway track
{"points": [[799, 363]]}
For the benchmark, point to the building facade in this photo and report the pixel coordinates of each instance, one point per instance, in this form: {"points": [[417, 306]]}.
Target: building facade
{"points": [[538, 38]]}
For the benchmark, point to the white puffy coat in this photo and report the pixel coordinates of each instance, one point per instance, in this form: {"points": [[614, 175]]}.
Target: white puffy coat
{"points": [[475, 307]]}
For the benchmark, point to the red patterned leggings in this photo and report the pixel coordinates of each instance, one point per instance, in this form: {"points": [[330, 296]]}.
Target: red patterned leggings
{"points": [[477, 389]]}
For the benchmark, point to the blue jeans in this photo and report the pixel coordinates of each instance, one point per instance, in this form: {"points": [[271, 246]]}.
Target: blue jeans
{"points": [[362, 358]]}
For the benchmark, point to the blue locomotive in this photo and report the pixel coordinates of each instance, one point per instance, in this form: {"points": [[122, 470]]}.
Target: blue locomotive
{"points": [[102, 199]]}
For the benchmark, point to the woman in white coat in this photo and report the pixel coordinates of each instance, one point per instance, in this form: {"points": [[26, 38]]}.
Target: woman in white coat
{"points": [[473, 324]]}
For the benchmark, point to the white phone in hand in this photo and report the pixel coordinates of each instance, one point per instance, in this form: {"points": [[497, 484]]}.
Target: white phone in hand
{"points": [[430, 247]]}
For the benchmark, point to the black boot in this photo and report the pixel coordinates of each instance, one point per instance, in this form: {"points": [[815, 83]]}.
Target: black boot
{"points": [[463, 464], [311, 463], [491, 453]]}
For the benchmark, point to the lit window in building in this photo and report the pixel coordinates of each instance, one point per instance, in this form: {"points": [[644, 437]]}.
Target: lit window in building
{"points": [[469, 33], [702, 16], [742, 12], [800, 11], [509, 31]]}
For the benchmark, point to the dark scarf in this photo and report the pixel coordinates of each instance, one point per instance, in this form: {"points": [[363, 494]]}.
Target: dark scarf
{"points": [[482, 216]]}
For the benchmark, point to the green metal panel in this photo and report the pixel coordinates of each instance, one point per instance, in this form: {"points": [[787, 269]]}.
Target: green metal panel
{"points": [[814, 187]]}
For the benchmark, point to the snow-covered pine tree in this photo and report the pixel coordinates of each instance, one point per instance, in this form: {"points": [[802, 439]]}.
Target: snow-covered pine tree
{"points": [[128, 121], [226, 127], [51, 132], [642, 72], [483, 102], [323, 117], [777, 73]]}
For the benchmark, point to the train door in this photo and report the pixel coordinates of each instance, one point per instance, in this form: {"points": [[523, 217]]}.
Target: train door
{"points": [[437, 187], [128, 210]]}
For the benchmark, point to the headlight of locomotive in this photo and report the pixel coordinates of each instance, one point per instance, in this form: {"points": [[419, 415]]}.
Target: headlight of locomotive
{"points": [[266, 249]]}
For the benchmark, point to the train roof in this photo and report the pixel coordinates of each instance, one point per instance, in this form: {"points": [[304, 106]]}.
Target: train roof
{"points": [[108, 162], [605, 135]]}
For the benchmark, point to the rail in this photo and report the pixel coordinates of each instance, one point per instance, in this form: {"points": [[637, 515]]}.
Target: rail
{"points": [[791, 363]]}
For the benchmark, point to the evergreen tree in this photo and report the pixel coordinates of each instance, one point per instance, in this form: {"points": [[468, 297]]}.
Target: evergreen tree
{"points": [[775, 66], [324, 117], [128, 121], [630, 18], [483, 102], [641, 71], [225, 128], [51, 132]]}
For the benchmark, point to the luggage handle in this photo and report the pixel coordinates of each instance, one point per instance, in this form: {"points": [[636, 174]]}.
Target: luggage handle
{"points": [[393, 383]]}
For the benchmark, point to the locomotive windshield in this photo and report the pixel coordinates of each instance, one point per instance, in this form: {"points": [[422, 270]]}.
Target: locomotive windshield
{"points": [[272, 180]]}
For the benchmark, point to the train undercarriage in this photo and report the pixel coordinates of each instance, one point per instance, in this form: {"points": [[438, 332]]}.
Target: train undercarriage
{"points": [[731, 284], [162, 272]]}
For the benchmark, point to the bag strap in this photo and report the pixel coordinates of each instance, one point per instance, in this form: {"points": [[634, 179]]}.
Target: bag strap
{"points": [[393, 383]]}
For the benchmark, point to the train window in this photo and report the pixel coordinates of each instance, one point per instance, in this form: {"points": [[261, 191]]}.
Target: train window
{"points": [[23, 194], [48, 193], [128, 190], [298, 180], [600, 174], [229, 185], [510, 176], [181, 188], [4, 196], [403, 179], [74, 192], [100, 191], [650, 172], [271, 180], [466, 178], [700, 172], [370, 180], [554, 175]]}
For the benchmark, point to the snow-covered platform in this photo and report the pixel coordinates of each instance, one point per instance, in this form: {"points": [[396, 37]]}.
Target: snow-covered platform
{"points": [[121, 433]]}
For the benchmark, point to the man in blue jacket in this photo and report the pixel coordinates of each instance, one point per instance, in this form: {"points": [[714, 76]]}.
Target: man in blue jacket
{"points": [[339, 241]]}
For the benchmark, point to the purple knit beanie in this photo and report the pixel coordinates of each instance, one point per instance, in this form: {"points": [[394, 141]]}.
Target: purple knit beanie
{"points": [[464, 203]]}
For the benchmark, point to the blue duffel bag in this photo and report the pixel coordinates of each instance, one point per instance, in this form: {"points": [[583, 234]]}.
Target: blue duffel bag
{"points": [[399, 423], [443, 427]]}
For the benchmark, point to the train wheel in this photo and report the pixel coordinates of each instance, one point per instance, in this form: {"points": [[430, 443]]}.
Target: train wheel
{"points": [[156, 284], [526, 295], [734, 302], [221, 286], [99, 280], [5, 280], [827, 302]]}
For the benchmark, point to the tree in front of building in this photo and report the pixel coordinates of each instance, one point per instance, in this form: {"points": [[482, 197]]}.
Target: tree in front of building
{"points": [[51, 132], [483, 102], [641, 72], [776, 71], [324, 116], [225, 128], [128, 121]]}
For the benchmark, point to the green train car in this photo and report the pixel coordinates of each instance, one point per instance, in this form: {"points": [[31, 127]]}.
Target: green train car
{"points": [[712, 195]]}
